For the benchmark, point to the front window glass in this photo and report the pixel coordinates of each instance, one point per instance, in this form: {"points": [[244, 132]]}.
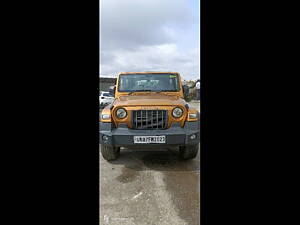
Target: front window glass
{"points": [[148, 82]]}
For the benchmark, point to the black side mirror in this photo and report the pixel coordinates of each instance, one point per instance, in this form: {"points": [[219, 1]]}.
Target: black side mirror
{"points": [[186, 90], [112, 90]]}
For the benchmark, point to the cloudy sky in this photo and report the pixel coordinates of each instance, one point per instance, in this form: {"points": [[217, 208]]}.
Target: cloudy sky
{"points": [[149, 35]]}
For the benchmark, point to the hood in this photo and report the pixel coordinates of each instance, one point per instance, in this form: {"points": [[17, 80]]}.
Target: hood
{"points": [[152, 99]]}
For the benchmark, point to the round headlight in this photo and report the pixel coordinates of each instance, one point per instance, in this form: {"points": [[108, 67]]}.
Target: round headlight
{"points": [[177, 112], [121, 113]]}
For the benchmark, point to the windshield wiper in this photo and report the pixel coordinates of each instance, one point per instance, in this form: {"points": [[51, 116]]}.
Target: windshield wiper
{"points": [[145, 90], [155, 91], [130, 93], [159, 91]]}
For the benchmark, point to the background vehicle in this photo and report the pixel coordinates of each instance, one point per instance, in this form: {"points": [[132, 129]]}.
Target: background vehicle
{"points": [[149, 111], [105, 98]]}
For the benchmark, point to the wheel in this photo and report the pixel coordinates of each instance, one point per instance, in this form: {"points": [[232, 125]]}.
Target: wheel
{"points": [[109, 152], [189, 151]]}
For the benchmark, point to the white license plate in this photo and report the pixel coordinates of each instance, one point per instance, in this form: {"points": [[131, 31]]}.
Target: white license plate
{"points": [[149, 139]]}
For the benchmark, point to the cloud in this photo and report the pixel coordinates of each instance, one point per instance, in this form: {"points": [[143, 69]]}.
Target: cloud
{"points": [[140, 35], [154, 58]]}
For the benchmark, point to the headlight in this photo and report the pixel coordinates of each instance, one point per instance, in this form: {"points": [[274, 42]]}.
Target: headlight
{"points": [[105, 116], [177, 112], [121, 113]]}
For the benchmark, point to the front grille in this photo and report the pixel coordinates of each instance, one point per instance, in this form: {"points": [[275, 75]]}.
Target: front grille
{"points": [[149, 119]]}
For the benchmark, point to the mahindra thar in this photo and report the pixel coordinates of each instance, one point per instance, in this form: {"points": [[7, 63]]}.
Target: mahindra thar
{"points": [[149, 111]]}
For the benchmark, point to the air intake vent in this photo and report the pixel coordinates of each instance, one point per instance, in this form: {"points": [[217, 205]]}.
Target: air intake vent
{"points": [[149, 119]]}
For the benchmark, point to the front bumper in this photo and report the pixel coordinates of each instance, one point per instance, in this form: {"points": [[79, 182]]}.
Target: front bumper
{"points": [[175, 135]]}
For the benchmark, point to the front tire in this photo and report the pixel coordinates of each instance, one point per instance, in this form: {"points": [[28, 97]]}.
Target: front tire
{"points": [[189, 151], [109, 152]]}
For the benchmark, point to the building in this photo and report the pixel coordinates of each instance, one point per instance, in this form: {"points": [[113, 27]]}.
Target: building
{"points": [[106, 82]]}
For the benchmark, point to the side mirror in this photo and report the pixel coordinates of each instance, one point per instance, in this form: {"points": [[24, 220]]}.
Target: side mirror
{"points": [[112, 90], [186, 90]]}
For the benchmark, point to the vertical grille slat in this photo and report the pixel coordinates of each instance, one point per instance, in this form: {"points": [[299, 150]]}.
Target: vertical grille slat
{"points": [[142, 116], [149, 119], [142, 119], [135, 119], [152, 119], [162, 116], [141, 123], [157, 119]]}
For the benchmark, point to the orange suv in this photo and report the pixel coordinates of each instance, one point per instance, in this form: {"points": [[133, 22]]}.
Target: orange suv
{"points": [[149, 110]]}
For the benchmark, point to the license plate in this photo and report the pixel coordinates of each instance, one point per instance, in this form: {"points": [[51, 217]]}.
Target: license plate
{"points": [[149, 139]]}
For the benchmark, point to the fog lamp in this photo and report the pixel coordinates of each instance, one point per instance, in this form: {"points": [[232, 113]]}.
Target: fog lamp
{"points": [[193, 136], [105, 138]]}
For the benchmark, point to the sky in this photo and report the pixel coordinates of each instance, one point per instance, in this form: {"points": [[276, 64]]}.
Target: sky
{"points": [[149, 35]]}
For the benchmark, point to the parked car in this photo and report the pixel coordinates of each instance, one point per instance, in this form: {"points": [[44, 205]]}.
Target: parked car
{"points": [[105, 98], [149, 111]]}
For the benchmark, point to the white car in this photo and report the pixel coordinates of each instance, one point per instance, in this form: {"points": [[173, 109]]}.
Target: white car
{"points": [[105, 98]]}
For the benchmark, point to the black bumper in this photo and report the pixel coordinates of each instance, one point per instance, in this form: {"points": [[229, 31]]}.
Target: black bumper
{"points": [[175, 135]]}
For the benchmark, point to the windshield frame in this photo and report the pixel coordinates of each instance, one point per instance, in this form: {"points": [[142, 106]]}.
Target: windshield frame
{"points": [[147, 90]]}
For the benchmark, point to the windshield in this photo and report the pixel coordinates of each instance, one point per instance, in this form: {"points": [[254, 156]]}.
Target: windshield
{"points": [[148, 82]]}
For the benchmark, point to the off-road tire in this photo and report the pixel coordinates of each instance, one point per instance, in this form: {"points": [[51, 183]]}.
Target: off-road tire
{"points": [[188, 151], [110, 153]]}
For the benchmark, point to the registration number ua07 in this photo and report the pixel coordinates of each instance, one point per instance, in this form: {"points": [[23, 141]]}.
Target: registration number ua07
{"points": [[149, 139]]}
